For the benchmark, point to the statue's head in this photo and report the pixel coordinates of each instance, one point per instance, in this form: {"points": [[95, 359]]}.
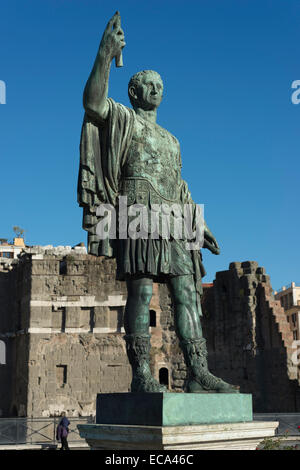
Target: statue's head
{"points": [[145, 90]]}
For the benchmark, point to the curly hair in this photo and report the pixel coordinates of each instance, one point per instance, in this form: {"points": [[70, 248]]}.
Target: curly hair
{"points": [[137, 78]]}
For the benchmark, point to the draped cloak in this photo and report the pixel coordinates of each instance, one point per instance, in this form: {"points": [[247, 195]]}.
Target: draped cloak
{"points": [[103, 150]]}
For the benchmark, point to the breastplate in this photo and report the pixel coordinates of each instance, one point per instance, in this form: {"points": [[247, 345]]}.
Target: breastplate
{"points": [[152, 167]]}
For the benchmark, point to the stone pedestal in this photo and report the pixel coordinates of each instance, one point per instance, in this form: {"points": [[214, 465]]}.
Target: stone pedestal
{"points": [[230, 436], [172, 409], [179, 421]]}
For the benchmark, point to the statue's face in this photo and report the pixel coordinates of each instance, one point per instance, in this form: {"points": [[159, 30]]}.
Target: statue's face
{"points": [[148, 92]]}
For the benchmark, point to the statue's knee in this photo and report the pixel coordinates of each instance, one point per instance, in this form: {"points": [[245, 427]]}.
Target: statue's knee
{"points": [[185, 296], [142, 294], [146, 294]]}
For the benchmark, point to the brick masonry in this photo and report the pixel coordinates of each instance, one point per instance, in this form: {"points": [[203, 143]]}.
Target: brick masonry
{"points": [[249, 338]]}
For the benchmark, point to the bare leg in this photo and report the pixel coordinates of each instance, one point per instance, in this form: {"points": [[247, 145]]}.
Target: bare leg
{"points": [[136, 322], [193, 345], [187, 316], [136, 319]]}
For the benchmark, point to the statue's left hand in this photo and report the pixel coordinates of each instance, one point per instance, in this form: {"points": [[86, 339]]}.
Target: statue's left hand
{"points": [[210, 242]]}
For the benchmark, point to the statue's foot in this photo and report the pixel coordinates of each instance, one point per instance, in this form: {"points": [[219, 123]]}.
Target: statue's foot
{"points": [[147, 385], [215, 385], [194, 387], [200, 379]]}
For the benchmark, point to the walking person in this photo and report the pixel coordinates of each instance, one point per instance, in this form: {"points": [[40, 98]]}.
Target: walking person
{"points": [[63, 431]]}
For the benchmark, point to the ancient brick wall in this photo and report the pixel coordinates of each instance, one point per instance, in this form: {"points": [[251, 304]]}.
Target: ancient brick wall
{"points": [[170, 344], [76, 344], [15, 285], [6, 343], [249, 339], [62, 320]]}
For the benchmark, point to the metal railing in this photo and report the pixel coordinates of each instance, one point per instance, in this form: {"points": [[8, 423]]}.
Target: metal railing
{"points": [[288, 422], [38, 430]]}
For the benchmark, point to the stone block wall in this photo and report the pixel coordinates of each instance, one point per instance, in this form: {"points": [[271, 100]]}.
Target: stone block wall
{"points": [[170, 344], [15, 288], [66, 371], [61, 318], [62, 321], [249, 338]]}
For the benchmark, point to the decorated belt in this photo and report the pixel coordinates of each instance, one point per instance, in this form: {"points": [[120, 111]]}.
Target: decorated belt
{"points": [[141, 191]]}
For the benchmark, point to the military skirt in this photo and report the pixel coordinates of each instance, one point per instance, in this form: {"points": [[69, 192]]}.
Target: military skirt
{"points": [[158, 258]]}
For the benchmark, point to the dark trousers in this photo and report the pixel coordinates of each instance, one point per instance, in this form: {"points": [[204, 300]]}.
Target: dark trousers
{"points": [[64, 444]]}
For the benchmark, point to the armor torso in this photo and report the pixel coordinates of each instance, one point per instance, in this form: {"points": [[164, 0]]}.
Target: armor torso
{"points": [[153, 166]]}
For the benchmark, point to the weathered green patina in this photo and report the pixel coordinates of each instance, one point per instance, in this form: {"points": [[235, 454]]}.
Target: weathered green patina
{"points": [[173, 409], [124, 152]]}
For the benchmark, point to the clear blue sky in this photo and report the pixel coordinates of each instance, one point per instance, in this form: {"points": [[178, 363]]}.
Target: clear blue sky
{"points": [[227, 68]]}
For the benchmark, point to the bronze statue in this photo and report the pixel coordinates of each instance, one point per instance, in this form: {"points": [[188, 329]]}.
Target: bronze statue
{"points": [[124, 152]]}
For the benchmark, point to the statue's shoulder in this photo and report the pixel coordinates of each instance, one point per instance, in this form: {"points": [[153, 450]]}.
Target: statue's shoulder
{"points": [[174, 139], [116, 107]]}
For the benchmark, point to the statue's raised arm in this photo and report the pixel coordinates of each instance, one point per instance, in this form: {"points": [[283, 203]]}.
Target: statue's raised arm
{"points": [[96, 89]]}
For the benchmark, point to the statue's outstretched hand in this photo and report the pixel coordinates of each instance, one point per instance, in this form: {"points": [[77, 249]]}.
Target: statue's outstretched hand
{"points": [[113, 39], [210, 242]]}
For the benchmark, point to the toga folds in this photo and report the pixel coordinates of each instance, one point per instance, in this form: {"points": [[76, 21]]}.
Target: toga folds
{"points": [[111, 165]]}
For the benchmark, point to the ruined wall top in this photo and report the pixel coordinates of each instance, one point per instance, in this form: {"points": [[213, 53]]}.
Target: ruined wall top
{"points": [[39, 252], [247, 267], [244, 269]]}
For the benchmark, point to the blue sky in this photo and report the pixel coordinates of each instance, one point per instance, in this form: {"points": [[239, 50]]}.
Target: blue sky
{"points": [[227, 69]]}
